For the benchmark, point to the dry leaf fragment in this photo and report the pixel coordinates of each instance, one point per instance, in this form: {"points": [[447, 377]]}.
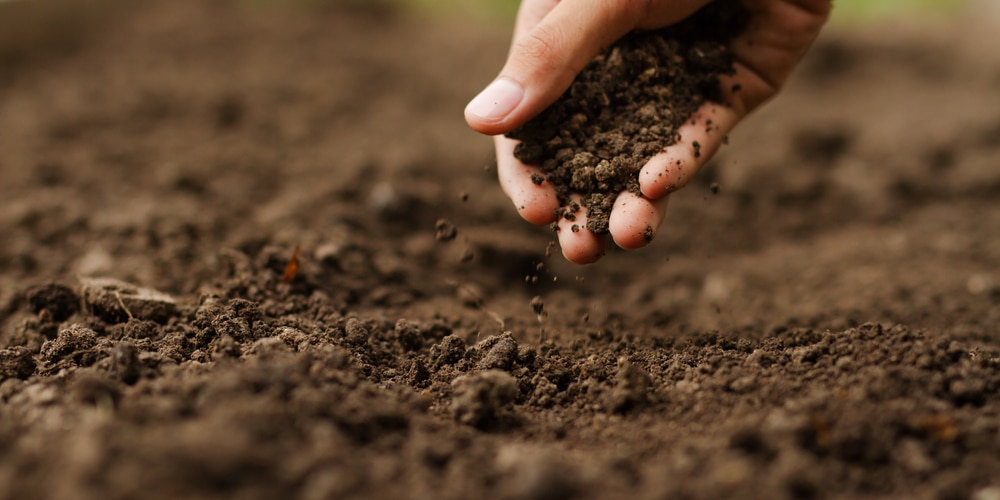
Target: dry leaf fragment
{"points": [[292, 269]]}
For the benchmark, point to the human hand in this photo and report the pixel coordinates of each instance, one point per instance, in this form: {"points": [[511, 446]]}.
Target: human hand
{"points": [[554, 40]]}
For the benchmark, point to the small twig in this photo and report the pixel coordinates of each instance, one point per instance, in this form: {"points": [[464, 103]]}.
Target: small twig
{"points": [[122, 304]]}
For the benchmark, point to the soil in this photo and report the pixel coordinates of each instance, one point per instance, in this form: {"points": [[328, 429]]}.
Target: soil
{"points": [[820, 319], [625, 107]]}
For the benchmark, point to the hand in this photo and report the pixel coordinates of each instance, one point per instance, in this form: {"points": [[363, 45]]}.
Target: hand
{"points": [[554, 40]]}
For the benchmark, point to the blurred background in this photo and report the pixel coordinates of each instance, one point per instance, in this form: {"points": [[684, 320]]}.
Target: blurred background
{"points": [[66, 18]]}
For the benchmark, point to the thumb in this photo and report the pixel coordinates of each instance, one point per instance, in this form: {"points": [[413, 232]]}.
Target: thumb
{"points": [[546, 57]]}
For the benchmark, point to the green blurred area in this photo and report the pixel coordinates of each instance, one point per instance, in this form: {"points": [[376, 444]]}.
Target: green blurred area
{"points": [[860, 10], [844, 10], [30, 26]]}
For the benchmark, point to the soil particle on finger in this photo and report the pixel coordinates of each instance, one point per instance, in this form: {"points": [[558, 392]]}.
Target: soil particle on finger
{"points": [[626, 106]]}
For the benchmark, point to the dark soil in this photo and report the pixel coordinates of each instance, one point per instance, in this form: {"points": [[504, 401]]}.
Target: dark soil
{"points": [[625, 107], [826, 324]]}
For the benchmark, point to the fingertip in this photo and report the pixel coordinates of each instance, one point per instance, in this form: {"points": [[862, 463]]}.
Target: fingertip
{"points": [[634, 220], [701, 136], [579, 245], [537, 208], [535, 203], [489, 112], [533, 197], [583, 251], [663, 173]]}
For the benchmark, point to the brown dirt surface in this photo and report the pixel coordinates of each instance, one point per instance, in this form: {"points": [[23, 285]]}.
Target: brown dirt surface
{"points": [[625, 106], [825, 325]]}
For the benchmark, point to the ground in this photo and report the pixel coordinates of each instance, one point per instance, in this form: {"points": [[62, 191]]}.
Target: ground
{"points": [[818, 316]]}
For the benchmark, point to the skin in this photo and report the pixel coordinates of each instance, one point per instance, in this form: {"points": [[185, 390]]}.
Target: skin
{"points": [[553, 40]]}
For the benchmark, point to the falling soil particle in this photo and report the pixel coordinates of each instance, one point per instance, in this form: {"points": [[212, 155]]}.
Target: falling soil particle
{"points": [[537, 305], [445, 230]]}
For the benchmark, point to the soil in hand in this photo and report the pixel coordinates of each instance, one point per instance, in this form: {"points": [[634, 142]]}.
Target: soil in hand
{"points": [[625, 107]]}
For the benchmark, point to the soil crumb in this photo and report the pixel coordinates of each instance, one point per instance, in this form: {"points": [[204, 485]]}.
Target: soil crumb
{"points": [[445, 230], [625, 107]]}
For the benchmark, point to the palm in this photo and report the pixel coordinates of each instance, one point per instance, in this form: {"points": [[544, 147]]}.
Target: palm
{"points": [[779, 33]]}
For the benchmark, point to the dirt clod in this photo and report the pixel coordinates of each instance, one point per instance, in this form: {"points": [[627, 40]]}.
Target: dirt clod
{"points": [[72, 340], [16, 362], [631, 389], [500, 352], [116, 301], [409, 335], [481, 399], [60, 301]]}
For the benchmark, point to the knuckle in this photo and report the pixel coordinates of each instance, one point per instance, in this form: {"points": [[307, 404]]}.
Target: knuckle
{"points": [[541, 49]]}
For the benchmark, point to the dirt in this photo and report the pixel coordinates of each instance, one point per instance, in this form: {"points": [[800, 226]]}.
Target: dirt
{"points": [[819, 320], [624, 107]]}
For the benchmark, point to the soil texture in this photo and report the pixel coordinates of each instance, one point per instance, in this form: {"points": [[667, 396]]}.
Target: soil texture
{"points": [[250, 250], [625, 107]]}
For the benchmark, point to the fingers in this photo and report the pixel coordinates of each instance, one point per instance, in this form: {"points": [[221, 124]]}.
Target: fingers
{"points": [[700, 138], [579, 245], [634, 220], [544, 59], [633, 224], [535, 203], [553, 42], [778, 35], [555, 39]]}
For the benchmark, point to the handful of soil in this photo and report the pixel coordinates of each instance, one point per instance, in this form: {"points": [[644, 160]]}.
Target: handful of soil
{"points": [[626, 106]]}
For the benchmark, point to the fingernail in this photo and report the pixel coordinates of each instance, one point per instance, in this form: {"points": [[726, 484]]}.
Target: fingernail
{"points": [[496, 101]]}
